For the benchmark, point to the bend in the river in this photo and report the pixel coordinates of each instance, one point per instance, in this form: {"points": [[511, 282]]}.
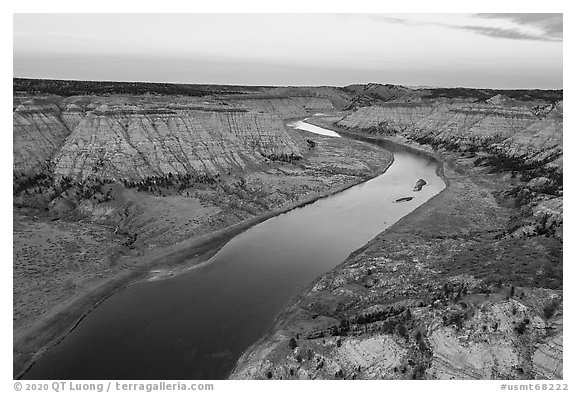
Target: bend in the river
{"points": [[197, 324]]}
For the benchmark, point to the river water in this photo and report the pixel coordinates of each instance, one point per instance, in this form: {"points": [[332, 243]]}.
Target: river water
{"points": [[197, 324]]}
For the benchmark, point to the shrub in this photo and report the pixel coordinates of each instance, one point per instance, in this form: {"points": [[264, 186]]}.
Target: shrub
{"points": [[521, 327], [418, 372], [310, 354], [455, 318], [550, 308]]}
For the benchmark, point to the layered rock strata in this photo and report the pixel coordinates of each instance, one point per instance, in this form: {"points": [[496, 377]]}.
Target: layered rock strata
{"points": [[132, 143], [514, 133], [38, 133]]}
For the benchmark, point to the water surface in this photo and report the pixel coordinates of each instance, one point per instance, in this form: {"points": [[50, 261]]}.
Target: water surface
{"points": [[302, 125], [197, 324]]}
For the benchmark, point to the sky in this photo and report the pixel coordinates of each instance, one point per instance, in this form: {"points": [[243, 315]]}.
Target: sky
{"points": [[471, 50]]}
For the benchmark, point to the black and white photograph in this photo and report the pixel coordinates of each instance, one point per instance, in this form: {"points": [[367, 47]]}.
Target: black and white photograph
{"points": [[287, 196]]}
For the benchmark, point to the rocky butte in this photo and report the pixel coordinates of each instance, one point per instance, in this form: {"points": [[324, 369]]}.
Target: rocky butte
{"points": [[112, 180]]}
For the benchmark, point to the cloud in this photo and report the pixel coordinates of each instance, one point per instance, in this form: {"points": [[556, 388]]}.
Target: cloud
{"points": [[550, 26], [533, 27], [498, 32]]}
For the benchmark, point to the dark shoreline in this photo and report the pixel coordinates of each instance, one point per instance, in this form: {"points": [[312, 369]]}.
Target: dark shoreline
{"points": [[53, 328]]}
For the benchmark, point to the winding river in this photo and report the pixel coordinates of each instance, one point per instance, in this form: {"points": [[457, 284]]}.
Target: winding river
{"points": [[195, 325]]}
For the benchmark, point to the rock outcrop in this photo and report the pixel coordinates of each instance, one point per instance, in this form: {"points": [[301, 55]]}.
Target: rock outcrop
{"points": [[419, 184], [136, 143], [72, 115], [548, 359], [38, 132], [392, 117], [134, 138], [512, 133], [289, 107]]}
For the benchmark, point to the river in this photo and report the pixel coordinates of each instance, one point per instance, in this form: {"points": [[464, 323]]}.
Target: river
{"points": [[196, 325]]}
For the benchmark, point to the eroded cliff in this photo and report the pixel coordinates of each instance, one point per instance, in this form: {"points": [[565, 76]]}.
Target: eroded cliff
{"points": [[135, 143], [38, 133], [523, 133]]}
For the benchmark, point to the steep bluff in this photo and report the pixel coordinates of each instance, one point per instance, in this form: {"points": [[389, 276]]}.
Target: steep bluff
{"points": [[72, 115], [135, 143], [515, 133], [289, 107], [38, 132], [134, 138]]}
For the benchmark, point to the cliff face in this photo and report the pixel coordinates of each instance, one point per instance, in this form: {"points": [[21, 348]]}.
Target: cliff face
{"points": [[38, 132], [339, 98], [373, 118], [72, 115], [511, 132], [134, 138], [540, 143], [289, 107], [135, 143]]}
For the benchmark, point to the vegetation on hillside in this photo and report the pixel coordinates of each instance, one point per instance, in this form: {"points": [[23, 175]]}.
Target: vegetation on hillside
{"points": [[67, 88]]}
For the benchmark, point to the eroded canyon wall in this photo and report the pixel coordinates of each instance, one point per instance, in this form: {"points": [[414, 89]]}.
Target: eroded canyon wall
{"points": [[38, 133], [532, 135], [135, 140], [134, 143]]}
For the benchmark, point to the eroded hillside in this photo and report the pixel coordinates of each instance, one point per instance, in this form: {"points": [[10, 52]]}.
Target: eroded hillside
{"points": [[531, 135]]}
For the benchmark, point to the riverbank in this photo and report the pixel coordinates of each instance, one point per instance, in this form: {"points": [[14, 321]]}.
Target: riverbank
{"points": [[53, 327], [442, 294]]}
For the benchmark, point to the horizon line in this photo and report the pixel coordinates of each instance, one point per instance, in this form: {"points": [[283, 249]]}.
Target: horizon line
{"points": [[419, 87]]}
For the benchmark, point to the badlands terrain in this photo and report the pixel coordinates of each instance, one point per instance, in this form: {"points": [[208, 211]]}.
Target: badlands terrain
{"points": [[115, 180]]}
